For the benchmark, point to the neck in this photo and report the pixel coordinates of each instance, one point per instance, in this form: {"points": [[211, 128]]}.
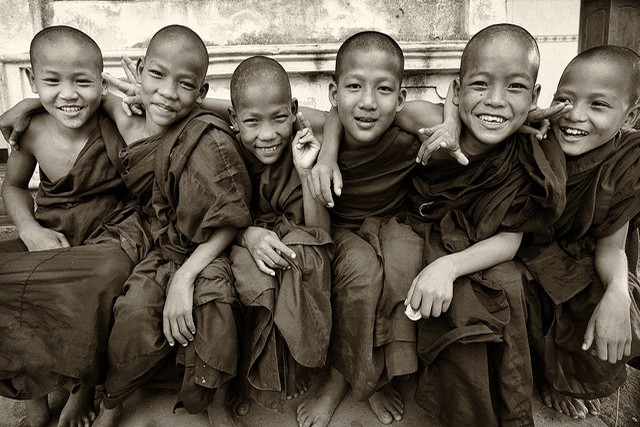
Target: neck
{"points": [[471, 146], [80, 134]]}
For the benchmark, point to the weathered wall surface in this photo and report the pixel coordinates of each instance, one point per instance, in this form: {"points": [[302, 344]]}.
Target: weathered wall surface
{"points": [[302, 35]]}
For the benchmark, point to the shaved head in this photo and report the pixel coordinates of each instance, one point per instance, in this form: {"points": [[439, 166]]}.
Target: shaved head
{"points": [[184, 40], [368, 41], [507, 33], [258, 70], [627, 61], [63, 36]]}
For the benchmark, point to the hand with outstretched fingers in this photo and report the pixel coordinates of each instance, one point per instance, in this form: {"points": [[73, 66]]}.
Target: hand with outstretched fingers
{"points": [[130, 86], [177, 316], [267, 250], [610, 327], [437, 137], [538, 123]]}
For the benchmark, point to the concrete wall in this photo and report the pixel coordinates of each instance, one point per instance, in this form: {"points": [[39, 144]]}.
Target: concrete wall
{"points": [[302, 35]]}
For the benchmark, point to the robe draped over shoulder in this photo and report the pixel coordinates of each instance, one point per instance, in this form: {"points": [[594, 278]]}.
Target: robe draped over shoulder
{"points": [[603, 188], [76, 204], [201, 184], [372, 340], [56, 305], [287, 322], [477, 352]]}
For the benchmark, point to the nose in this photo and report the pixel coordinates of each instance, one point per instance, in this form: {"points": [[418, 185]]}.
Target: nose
{"points": [[168, 89], [495, 97], [67, 91], [368, 100], [577, 113], [267, 132]]}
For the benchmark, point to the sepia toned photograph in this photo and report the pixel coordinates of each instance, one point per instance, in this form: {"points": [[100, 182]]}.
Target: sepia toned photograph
{"points": [[321, 213]]}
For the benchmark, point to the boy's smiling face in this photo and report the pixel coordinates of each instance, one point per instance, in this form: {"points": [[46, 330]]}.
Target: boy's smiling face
{"points": [[495, 93], [367, 95], [171, 84], [68, 82], [264, 116], [600, 95]]}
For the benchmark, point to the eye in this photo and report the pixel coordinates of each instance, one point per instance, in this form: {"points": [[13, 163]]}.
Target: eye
{"points": [[600, 104], [353, 86], [281, 118], [51, 80], [187, 85], [84, 82], [385, 89], [563, 99], [478, 84], [518, 86], [250, 122], [155, 73]]}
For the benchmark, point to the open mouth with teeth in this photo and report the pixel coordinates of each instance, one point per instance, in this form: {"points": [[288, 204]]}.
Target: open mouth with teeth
{"points": [[70, 109], [365, 119], [491, 120], [573, 132], [269, 150]]}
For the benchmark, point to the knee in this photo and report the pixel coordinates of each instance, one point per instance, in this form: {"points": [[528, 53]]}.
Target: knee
{"points": [[115, 266]]}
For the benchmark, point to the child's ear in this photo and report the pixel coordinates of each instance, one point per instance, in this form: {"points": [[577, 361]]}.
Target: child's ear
{"points": [[202, 94], [105, 86], [294, 106], [535, 95], [32, 79], [402, 98], [333, 92], [233, 118], [139, 67], [456, 91], [632, 118]]}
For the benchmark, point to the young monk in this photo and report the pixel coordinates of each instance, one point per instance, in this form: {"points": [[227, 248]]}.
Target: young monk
{"points": [[57, 298], [472, 339], [188, 173], [585, 321], [372, 341], [281, 263]]}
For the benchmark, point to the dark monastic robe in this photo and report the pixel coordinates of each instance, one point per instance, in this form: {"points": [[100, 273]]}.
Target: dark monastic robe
{"points": [[56, 305], [200, 185], [377, 257], [603, 194], [477, 352], [287, 321]]}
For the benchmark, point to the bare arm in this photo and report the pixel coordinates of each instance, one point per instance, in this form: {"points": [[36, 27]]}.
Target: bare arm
{"points": [[177, 320], [15, 121], [432, 289], [326, 172], [19, 203], [610, 325]]}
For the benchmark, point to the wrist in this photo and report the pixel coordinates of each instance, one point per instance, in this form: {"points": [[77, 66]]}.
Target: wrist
{"points": [[186, 275], [447, 264], [303, 172]]}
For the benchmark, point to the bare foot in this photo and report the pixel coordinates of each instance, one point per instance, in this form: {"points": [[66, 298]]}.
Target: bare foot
{"points": [[219, 413], [37, 412], [300, 386], [79, 410], [387, 404], [108, 417], [593, 406], [562, 403], [317, 410]]}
